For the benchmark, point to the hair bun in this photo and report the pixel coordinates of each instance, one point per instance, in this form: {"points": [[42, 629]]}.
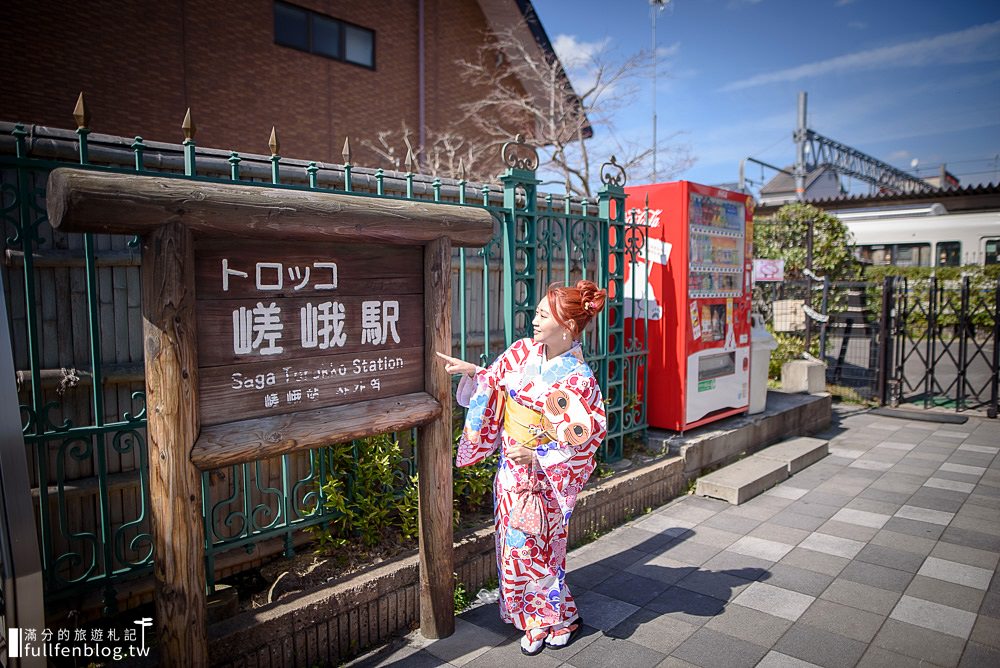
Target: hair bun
{"points": [[592, 298]]}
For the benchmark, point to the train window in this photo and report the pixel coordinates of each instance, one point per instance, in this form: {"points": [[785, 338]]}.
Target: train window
{"points": [[949, 253], [912, 255], [873, 254], [992, 252]]}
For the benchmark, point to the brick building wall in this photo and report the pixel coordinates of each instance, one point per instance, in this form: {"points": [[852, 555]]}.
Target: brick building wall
{"points": [[141, 64]]}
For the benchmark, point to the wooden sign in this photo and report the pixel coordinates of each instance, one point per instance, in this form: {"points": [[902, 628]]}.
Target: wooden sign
{"points": [[284, 328], [276, 320]]}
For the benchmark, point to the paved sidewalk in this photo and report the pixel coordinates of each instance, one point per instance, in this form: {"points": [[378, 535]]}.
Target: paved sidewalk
{"points": [[882, 554]]}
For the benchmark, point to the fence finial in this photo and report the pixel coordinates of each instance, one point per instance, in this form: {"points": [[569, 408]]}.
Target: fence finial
{"points": [[411, 164], [461, 169], [272, 142], [518, 154], [188, 126], [80, 113], [347, 151], [613, 174]]}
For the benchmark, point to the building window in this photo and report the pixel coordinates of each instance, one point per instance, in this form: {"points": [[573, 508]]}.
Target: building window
{"points": [[949, 254], [323, 35], [992, 252]]}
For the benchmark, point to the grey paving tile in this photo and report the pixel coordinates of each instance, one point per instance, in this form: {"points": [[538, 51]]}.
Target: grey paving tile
{"points": [[934, 616], [488, 617], [603, 612], [631, 588], [990, 605], [707, 535], [775, 659], [711, 648], [874, 575], [877, 657], [599, 552], [686, 605], [937, 499], [953, 485], [872, 505], [861, 596], [759, 513], [986, 631], [774, 502], [786, 492], [733, 523], [468, 642], [843, 620], [657, 567], [509, 654], [606, 651], [691, 553], [726, 561], [896, 498], [775, 601], [915, 528], [633, 537], [820, 647], [905, 542], [398, 652], [721, 585], [702, 503], [747, 624], [653, 630], [815, 561], [587, 576], [976, 656], [667, 525], [780, 534], [861, 517], [674, 662], [827, 544], [761, 548], [820, 510], [893, 558], [969, 538], [953, 571], [844, 530], [796, 520], [929, 515], [945, 593], [801, 580], [976, 524], [964, 469], [835, 499], [870, 464], [920, 643]]}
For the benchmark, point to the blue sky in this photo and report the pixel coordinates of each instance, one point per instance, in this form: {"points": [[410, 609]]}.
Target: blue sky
{"points": [[901, 80]]}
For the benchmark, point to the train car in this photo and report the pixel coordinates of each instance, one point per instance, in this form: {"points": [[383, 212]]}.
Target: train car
{"points": [[924, 237]]}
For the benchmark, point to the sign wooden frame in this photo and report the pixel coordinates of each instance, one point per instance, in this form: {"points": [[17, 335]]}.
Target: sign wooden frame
{"points": [[171, 213]]}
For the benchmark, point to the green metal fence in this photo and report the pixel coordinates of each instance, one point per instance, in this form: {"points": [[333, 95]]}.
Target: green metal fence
{"points": [[77, 332]]}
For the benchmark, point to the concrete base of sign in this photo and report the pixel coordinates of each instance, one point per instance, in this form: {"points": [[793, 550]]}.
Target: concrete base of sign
{"points": [[743, 480], [796, 453], [803, 376]]}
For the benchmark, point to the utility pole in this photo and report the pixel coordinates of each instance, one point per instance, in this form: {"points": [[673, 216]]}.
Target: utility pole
{"points": [[655, 7]]}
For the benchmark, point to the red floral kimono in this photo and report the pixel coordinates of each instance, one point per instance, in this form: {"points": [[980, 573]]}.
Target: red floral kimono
{"points": [[532, 566]]}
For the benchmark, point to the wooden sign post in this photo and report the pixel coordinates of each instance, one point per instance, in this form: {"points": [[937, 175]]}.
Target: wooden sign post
{"points": [[277, 320]]}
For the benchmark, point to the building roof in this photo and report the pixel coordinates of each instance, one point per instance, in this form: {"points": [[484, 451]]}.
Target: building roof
{"points": [[969, 198], [519, 16], [785, 183]]}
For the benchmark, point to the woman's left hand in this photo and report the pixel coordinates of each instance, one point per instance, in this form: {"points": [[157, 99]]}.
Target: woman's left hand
{"points": [[519, 454]]}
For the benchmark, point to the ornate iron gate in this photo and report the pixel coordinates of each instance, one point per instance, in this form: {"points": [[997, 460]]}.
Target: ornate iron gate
{"points": [[943, 343]]}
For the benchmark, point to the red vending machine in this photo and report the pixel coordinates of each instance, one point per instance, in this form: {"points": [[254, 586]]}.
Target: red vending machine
{"points": [[697, 264]]}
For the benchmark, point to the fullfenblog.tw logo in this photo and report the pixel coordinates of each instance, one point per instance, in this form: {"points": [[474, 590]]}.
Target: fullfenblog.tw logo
{"points": [[96, 643]]}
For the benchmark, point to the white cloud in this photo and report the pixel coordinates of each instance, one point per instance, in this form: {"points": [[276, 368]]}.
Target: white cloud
{"points": [[575, 54], [899, 156], [977, 44], [668, 51]]}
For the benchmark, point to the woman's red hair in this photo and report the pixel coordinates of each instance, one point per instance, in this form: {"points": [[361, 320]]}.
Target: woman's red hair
{"points": [[577, 305]]}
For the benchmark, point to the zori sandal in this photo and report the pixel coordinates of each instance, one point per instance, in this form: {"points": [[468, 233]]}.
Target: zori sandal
{"points": [[533, 641], [560, 638]]}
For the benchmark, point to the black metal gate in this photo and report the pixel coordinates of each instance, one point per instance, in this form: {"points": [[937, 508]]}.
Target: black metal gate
{"points": [[942, 349]]}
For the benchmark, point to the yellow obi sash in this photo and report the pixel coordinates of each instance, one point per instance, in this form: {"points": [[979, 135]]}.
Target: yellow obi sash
{"points": [[519, 421]]}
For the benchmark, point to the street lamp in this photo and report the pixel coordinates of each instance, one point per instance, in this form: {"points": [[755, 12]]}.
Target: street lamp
{"points": [[655, 7]]}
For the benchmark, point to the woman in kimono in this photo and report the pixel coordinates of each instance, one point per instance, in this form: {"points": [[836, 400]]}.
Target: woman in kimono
{"points": [[541, 405]]}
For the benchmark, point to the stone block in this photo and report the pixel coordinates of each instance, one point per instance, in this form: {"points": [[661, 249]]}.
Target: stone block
{"points": [[803, 376], [797, 453], [743, 480]]}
